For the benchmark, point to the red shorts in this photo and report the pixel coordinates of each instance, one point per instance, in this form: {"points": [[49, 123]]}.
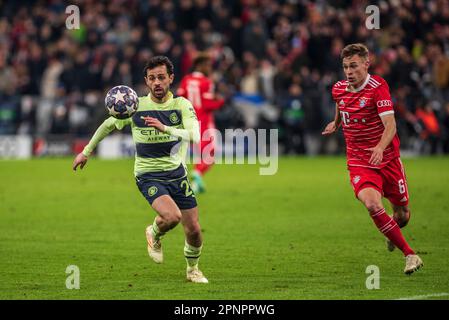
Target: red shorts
{"points": [[390, 181]]}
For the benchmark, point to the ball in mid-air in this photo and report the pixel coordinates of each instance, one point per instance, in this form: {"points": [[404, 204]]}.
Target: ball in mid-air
{"points": [[121, 102]]}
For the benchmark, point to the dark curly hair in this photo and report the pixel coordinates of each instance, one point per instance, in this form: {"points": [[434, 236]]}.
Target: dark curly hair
{"points": [[158, 61]]}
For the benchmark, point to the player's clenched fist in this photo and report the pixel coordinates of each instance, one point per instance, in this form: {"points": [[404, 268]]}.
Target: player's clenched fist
{"points": [[330, 128], [80, 160]]}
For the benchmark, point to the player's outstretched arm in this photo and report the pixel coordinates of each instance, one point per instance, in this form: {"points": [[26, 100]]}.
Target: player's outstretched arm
{"points": [[330, 128], [103, 130], [333, 125], [80, 160]]}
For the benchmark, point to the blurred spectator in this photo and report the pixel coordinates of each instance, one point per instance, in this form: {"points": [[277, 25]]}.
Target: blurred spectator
{"points": [[446, 129], [60, 123], [265, 52], [8, 78], [440, 69], [430, 133], [50, 78], [292, 120]]}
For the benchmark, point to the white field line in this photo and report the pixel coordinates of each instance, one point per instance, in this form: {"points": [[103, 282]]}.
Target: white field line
{"points": [[442, 294]]}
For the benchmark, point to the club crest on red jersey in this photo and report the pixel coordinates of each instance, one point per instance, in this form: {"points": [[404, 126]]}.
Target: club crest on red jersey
{"points": [[362, 102]]}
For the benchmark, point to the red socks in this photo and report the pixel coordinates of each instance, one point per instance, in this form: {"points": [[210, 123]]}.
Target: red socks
{"points": [[391, 230]]}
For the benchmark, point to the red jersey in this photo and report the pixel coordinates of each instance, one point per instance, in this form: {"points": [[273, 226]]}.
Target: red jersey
{"points": [[199, 90], [360, 111]]}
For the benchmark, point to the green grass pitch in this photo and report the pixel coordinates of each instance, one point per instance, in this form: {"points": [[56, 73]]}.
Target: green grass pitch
{"points": [[299, 234]]}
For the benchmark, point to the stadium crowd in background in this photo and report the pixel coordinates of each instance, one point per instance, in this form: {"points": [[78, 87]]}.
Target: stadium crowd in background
{"points": [[274, 61]]}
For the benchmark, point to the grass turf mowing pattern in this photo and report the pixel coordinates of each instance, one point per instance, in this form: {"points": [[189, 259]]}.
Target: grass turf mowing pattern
{"points": [[299, 234]]}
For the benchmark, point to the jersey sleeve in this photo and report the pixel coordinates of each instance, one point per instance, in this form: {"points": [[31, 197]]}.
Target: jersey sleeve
{"points": [[208, 97], [182, 89], [191, 130], [103, 130], [334, 93], [382, 99]]}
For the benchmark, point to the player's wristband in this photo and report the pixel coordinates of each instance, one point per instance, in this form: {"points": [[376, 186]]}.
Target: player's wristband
{"points": [[85, 152]]}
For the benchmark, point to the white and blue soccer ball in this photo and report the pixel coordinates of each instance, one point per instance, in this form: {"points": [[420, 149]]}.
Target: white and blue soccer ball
{"points": [[121, 102]]}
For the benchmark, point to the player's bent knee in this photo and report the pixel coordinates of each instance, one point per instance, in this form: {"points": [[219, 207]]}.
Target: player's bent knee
{"points": [[373, 205], [171, 219], [371, 199], [402, 217], [175, 218]]}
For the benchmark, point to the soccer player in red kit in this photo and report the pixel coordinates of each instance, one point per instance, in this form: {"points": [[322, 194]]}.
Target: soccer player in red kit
{"points": [[199, 89], [365, 111]]}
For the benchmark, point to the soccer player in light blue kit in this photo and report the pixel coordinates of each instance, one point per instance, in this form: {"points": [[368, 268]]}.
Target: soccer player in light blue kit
{"points": [[162, 129]]}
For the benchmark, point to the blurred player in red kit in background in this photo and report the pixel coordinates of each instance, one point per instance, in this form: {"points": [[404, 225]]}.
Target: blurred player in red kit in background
{"points": [[198, 88], [365, 111]]}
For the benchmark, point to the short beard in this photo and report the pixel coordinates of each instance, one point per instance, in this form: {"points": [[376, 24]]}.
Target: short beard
{"points": [[164, 92]]}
